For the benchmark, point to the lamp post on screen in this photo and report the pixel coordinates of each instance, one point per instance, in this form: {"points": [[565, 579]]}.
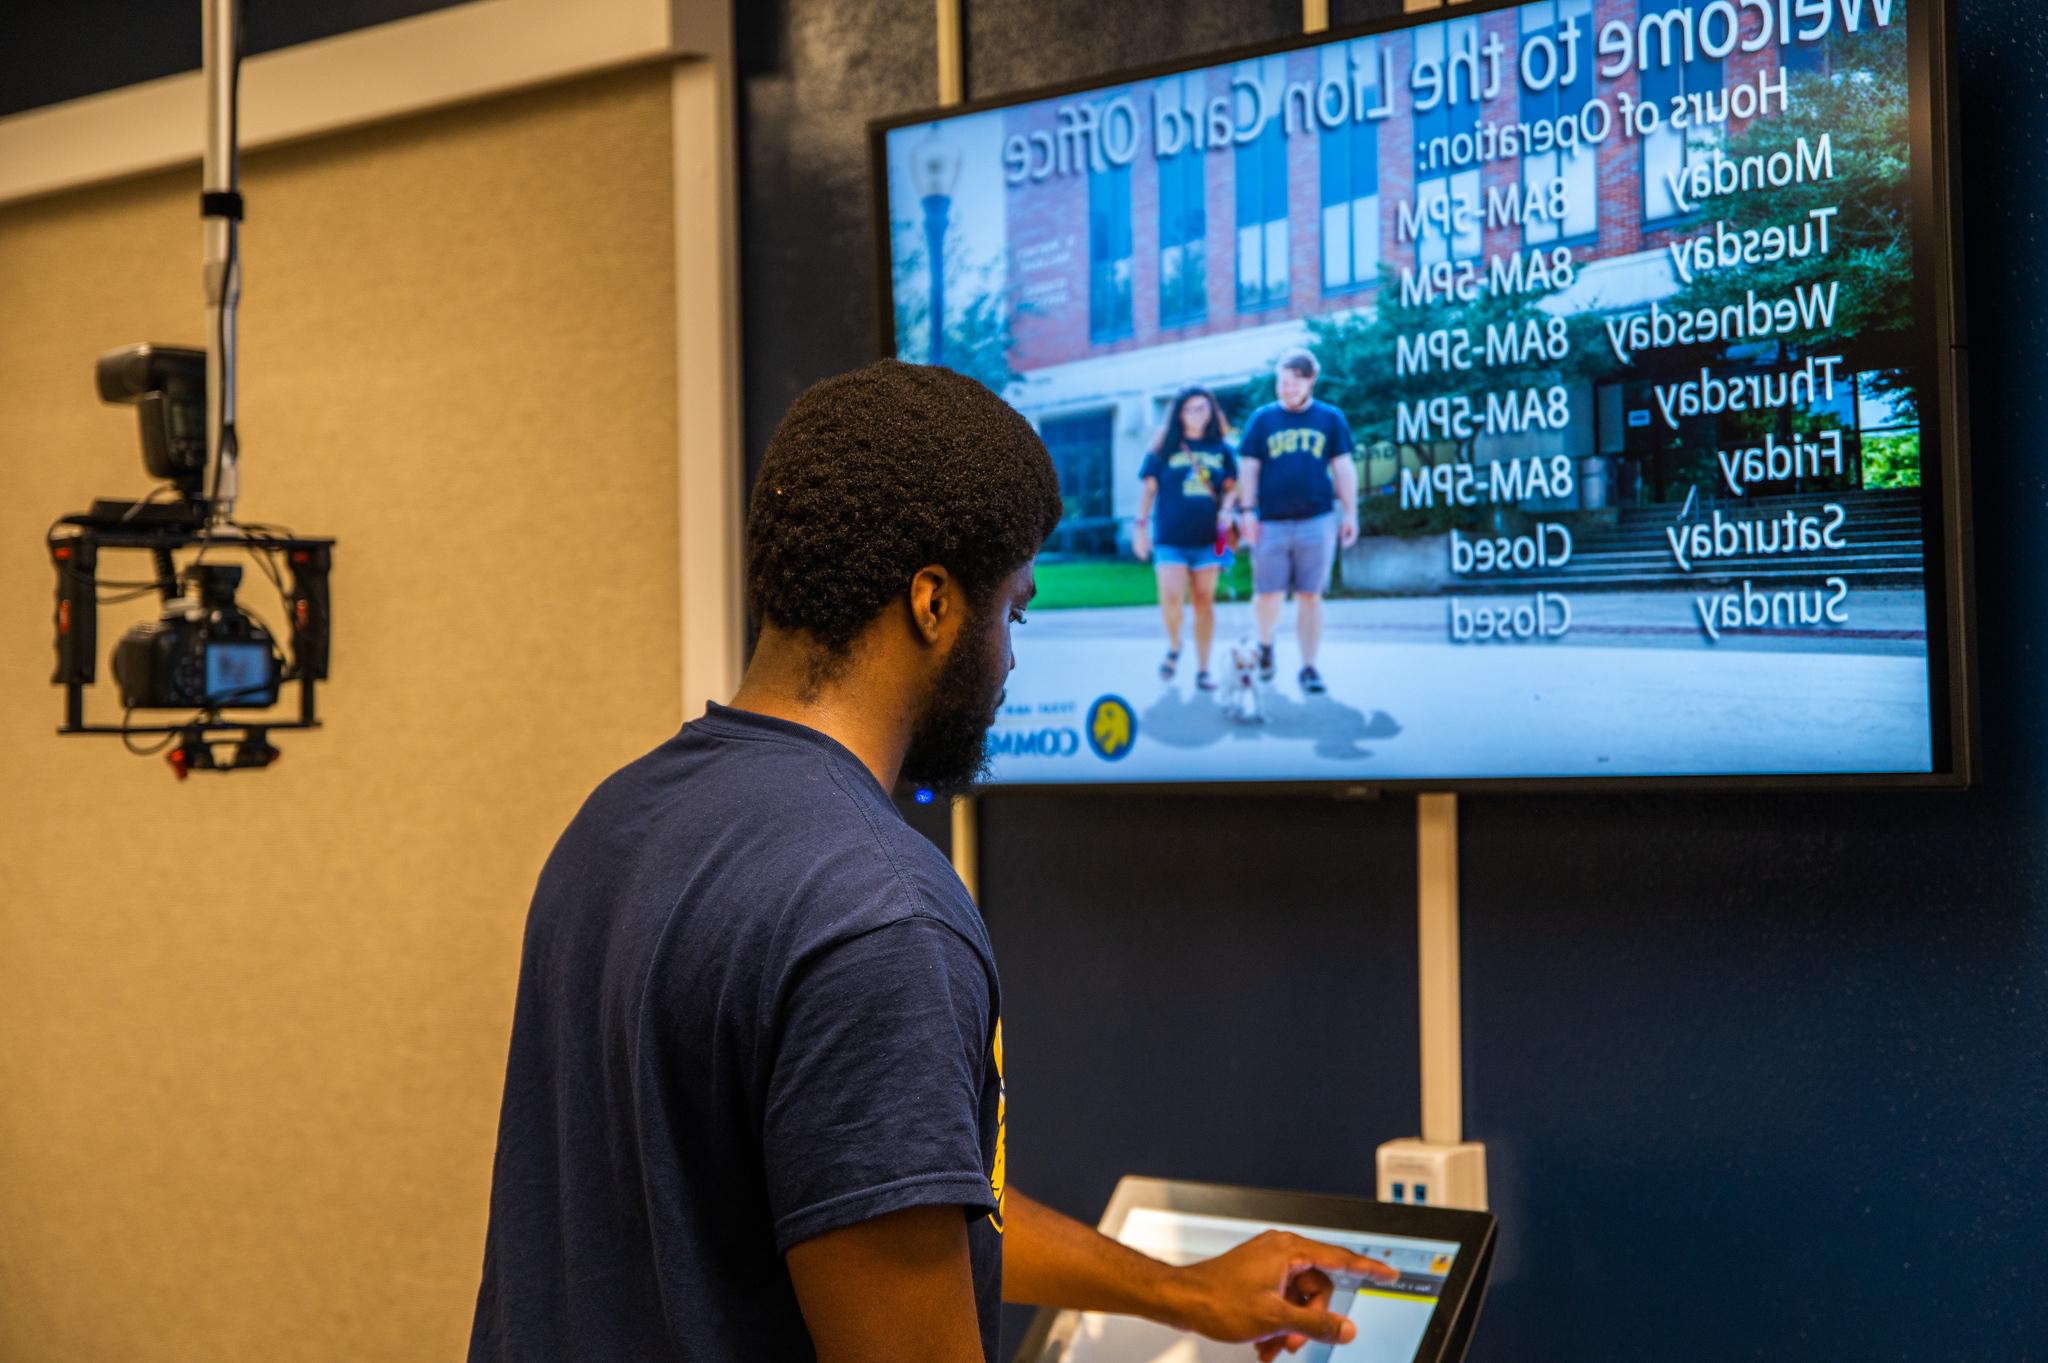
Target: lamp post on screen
{"points": [[934, 169]]}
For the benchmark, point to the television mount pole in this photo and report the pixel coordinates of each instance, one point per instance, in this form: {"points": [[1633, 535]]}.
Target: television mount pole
{"points": [[965, 843]]}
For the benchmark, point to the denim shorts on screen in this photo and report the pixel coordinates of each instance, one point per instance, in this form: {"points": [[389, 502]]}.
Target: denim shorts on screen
{"points": [[1295, 556], [1204, 557]]}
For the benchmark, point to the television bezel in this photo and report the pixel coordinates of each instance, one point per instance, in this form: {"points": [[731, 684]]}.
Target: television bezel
{"points": [[1938, 298]]}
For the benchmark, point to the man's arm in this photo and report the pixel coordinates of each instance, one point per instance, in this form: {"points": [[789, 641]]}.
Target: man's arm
{"points": [[1271, 1290], [1248, 496], [898, 1286], [1344, 473], [1054, 1260], [873, 1145]]}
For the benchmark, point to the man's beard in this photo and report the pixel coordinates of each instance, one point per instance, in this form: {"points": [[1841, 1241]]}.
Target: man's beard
{"points": [[949, 741]]}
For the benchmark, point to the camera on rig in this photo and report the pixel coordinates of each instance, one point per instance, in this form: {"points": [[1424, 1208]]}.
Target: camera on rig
{"points": [[205, 653]]}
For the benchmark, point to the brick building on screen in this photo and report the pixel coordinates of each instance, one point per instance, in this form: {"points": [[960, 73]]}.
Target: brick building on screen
{"points": [[1129, 281]]}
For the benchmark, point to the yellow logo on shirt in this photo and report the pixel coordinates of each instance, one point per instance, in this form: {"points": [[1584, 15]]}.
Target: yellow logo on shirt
{"points": [[1203, 467], [1296, 440], [996, 1178]]}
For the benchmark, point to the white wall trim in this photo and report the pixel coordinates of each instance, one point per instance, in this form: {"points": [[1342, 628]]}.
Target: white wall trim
{"points": [[470, 51], [703, 100]]}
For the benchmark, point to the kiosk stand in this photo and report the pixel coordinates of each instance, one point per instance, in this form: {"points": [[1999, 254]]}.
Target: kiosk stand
{"points": [[1424, 1313]]}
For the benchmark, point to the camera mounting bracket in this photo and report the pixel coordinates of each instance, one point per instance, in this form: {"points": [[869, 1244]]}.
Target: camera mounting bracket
{"points": [[75, 557]]}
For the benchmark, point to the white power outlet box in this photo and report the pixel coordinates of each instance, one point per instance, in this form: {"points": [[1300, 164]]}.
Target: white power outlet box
{"points": [[1419, 1172]]}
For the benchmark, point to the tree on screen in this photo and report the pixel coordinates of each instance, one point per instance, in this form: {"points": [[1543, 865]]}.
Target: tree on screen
{"points": [[1863, 110], [1361, 378], [978, 332], [1862, 106]]}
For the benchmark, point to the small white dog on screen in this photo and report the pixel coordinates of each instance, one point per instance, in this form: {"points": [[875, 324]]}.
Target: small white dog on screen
{"points": [[1241, 699]]}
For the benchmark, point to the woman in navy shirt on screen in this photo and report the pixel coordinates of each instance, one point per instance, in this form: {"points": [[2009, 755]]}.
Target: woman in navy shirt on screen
{"points": [[1191, 477]]}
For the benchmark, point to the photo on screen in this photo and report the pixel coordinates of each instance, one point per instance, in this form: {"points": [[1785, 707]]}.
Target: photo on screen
{"points": [[1570, 359]]}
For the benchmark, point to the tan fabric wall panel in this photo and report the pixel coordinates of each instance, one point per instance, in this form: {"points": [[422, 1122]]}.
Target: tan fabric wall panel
{"points": [[253, 1027]]}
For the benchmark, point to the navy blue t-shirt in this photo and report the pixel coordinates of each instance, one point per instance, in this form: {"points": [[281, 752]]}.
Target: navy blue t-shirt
{"points": [[754, 1006], [1191, 481], [1294, 450]]}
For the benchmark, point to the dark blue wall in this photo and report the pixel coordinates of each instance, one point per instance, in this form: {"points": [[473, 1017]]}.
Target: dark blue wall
{"points": [[1762, 1077]]}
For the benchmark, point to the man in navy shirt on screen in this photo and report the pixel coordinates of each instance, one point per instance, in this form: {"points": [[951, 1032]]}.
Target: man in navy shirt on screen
{"points": [[1299, 489], [754, 1102]]}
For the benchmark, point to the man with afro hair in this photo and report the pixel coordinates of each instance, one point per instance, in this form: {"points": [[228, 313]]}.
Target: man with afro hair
{"points": [[754, 1104]]}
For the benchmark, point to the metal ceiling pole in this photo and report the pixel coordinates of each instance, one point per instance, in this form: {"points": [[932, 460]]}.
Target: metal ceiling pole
{"points": [[220, 204]]}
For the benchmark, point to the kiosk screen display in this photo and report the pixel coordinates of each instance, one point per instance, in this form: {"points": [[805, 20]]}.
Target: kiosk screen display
{"points": [[1391, 1318], [1587, 366]]}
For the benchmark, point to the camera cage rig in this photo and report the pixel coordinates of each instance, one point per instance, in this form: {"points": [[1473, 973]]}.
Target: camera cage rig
{"points": [[189, 440], [160, 530]]}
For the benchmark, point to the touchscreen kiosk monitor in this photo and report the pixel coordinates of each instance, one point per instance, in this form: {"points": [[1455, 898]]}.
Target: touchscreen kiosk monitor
{"points": [[1630, 330], [1425, 1316]]}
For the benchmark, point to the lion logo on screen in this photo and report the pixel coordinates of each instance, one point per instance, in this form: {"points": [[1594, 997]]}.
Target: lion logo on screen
{"points": [[1112, 727]]}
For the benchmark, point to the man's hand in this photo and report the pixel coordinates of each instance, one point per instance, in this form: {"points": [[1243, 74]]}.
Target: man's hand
{"points": [[1347, 529], [1273, 1290], [1248, 499]]}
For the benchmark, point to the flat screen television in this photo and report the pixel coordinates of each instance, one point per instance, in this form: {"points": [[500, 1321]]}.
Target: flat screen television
{"points": [[1519, 393]]}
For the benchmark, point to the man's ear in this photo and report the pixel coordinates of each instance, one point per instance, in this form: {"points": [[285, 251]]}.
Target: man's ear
{"points": [[934, 602]]}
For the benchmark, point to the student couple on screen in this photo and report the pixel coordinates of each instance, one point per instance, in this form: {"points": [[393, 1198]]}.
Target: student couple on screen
{"points": [[1290, 492]]}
